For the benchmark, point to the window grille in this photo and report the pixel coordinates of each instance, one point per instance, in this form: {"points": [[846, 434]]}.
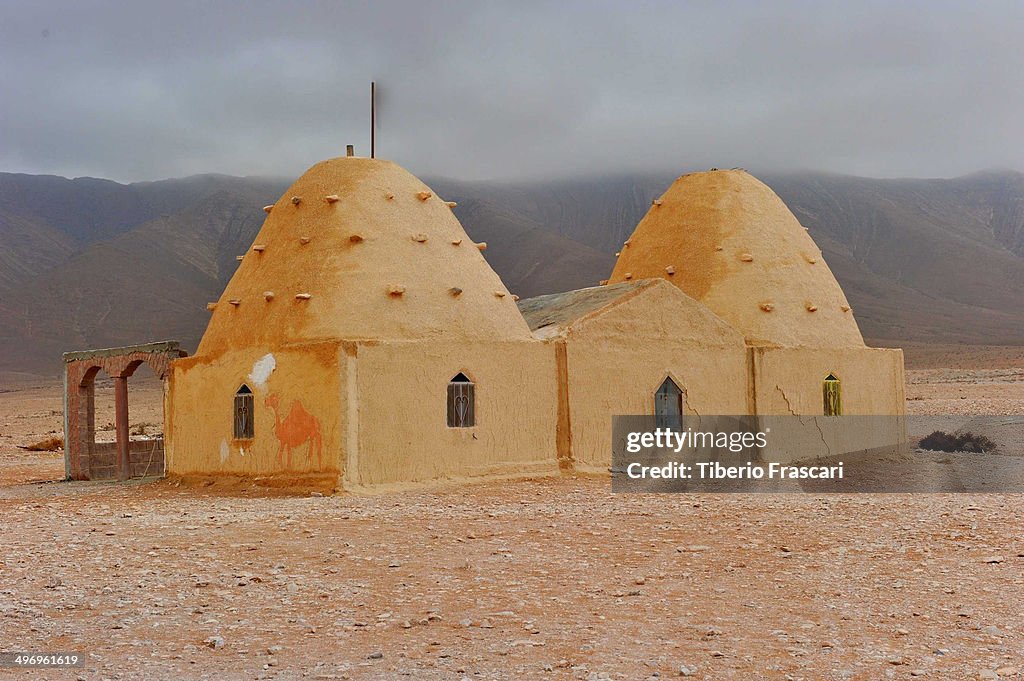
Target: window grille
{"points": [[832, 396], [461, 399], [243, 414]]}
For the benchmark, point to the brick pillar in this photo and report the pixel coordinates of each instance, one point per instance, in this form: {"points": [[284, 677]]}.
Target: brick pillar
{"points": [[121, 411], [86, 432], [79, 421]]}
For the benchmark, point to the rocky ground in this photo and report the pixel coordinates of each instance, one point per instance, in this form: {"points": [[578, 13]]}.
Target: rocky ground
{"points": [[543, 579]]}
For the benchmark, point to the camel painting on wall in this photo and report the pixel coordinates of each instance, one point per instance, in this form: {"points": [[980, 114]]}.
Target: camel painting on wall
{"points": [[297, 428]]}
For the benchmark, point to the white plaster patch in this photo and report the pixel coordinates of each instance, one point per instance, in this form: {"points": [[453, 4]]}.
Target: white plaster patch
{"points": [[224, 451], [262, 369]]}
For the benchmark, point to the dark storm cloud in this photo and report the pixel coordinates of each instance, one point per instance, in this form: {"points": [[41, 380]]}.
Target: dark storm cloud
{"points": [[142, 90]]}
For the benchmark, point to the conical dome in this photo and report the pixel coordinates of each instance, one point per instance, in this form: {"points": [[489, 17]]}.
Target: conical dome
{"points": [[360, 249], [726, 239]]}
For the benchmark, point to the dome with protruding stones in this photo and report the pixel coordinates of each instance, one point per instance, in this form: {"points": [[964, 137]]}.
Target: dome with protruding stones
{"points": [[726, 239], [358, 249]]}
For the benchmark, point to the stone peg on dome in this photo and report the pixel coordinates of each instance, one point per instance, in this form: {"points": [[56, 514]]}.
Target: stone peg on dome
{"points": [[332, 198], [296, 200], [424, 195]]}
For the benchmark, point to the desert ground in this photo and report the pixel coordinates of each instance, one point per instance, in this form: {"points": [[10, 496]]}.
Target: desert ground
{"points": [[536, 579]]}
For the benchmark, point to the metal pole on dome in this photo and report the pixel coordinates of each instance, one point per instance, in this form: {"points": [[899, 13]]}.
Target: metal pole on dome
{"points": [[373, 119]]}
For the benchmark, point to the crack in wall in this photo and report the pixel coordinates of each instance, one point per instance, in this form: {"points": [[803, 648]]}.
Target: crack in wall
{"points": [[822, 436], [789, 405], [821, 433]]}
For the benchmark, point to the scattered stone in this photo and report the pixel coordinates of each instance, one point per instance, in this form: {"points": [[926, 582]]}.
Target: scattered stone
{"points": [[215, 642], [376, 655]]}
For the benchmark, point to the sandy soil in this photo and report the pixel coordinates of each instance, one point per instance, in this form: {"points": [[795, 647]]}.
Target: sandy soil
{"points": [[547, 579]]}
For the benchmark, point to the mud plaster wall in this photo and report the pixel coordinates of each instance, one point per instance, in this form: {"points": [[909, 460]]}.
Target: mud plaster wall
{"points": [[618, 359], [402, 392], [305, 380], [789, 381]]}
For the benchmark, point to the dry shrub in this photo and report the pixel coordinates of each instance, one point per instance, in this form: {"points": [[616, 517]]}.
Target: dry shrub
{"points": [[49, 444], [940, 441]]}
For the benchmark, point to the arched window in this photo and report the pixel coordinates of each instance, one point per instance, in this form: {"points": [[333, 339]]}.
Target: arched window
{"points": [[243, 414], [668, 405], [461, 407], [832, 396]]}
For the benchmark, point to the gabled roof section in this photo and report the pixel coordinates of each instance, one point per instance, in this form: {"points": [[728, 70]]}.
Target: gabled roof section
{"points": [[648, 310], [562, 310]]}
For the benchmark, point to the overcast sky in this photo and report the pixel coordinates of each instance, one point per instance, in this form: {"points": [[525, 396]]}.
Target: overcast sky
{"points": [[138, 90]]}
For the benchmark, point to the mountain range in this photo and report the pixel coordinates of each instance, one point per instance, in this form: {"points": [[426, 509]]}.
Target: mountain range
{"points": [[93, 263]]}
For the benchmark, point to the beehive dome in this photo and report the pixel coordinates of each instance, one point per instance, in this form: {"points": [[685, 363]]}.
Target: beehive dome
{"points": [[726, 239], [358, 249]]}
